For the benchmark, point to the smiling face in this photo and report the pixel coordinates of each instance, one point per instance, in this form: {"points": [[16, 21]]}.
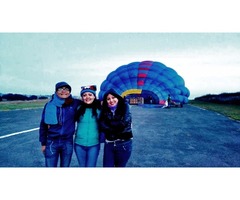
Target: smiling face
{"points": [[88, 97], [112, 100], [63, 92]]}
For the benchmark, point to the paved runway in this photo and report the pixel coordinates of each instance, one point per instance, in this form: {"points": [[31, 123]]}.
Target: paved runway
{"points": [[176, 137]]}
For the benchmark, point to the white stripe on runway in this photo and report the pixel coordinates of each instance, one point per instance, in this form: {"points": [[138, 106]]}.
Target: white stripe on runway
{"points": [[17, 133]]}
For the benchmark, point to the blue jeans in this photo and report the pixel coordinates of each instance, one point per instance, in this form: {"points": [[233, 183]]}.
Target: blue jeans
{"points": [[117, 154], [59, 148], [87, 156]]}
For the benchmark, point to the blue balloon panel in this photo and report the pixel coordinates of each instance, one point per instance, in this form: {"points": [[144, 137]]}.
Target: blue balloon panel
{"points": [[149, 80]]}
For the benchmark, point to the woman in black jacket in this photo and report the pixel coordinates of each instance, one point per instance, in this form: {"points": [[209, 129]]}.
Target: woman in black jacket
{"points": [[116, 123]]}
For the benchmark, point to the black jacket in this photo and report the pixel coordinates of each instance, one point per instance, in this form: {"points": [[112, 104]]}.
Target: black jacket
{"points": [[117, 125]]}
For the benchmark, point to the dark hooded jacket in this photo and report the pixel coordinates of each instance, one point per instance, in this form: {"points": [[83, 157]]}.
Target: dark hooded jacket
{"points": [[117, 125], [65, 126]]}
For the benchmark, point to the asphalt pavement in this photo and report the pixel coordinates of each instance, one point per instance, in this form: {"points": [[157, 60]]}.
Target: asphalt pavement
{"points": [[175, 137]]}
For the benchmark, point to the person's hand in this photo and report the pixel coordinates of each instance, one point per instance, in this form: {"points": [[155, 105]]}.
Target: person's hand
{"points": [[43, 149]]}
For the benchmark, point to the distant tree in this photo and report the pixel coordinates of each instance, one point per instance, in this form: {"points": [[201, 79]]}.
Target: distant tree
{"points": [[8, 97], [14, 97], [42, 97], [32, 97], [226, 98]]}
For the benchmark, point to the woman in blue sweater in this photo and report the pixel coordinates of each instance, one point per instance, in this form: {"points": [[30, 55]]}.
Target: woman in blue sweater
{"points": [[87, 143]]}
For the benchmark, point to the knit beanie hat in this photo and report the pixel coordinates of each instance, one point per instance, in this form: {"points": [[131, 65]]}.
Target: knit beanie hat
{"points": [[91, 88], [62, 84]]}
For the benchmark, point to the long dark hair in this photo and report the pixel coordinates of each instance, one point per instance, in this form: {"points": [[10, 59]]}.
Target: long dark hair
{"points": [[120, 106], [95, 105]]}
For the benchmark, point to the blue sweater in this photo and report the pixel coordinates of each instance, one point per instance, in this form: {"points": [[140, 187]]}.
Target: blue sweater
{"points": [[87, 133]]}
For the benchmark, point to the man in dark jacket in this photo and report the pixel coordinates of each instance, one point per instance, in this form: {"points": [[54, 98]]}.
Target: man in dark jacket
{"points": [[57, 126]]}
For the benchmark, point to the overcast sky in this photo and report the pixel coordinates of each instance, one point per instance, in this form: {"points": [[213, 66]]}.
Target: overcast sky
{"points": [[31, 63], [208, 61], [43, 42]]}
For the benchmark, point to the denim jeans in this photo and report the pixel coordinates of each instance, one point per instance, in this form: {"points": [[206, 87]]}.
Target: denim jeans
{"points": [[117, 154], [87, 156], [59, 148]]}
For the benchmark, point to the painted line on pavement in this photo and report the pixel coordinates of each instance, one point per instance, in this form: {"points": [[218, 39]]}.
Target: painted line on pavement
{"points": [[17, 133]]}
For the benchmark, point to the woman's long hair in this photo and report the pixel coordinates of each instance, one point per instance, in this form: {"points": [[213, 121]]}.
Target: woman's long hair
{"points": [[120, 106], [95, 105]]}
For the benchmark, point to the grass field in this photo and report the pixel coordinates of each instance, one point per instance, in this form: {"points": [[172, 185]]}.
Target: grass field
{"points": [[16, 105], [231, 111]]}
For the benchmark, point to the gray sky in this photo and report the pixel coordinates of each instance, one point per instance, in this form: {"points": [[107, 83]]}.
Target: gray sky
{"points": [[43, 42], [209, 63], [31, 63]]}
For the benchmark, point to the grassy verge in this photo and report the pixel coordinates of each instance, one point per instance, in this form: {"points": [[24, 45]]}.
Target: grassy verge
{"points": [[14, 105], [231, 111]]}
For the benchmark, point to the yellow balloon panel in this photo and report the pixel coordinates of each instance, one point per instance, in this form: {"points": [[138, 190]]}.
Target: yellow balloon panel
{"points": [[131, 91]]}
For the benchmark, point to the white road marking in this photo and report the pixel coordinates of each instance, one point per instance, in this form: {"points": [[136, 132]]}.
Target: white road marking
{"points": [[17, 133]]}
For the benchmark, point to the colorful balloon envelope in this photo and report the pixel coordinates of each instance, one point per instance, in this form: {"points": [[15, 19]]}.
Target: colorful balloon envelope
{"points": [[150, 80]]}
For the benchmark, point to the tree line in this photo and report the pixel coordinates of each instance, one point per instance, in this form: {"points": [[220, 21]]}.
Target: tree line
{"points": [[225, 98], [21, 97], [229, 98]]}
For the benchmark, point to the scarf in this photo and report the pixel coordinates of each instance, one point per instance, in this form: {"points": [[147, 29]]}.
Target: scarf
{"points": [[50, 116], [113, 109]]}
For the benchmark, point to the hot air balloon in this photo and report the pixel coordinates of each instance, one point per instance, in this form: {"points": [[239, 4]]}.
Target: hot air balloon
{"points": [[146, 82]]}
